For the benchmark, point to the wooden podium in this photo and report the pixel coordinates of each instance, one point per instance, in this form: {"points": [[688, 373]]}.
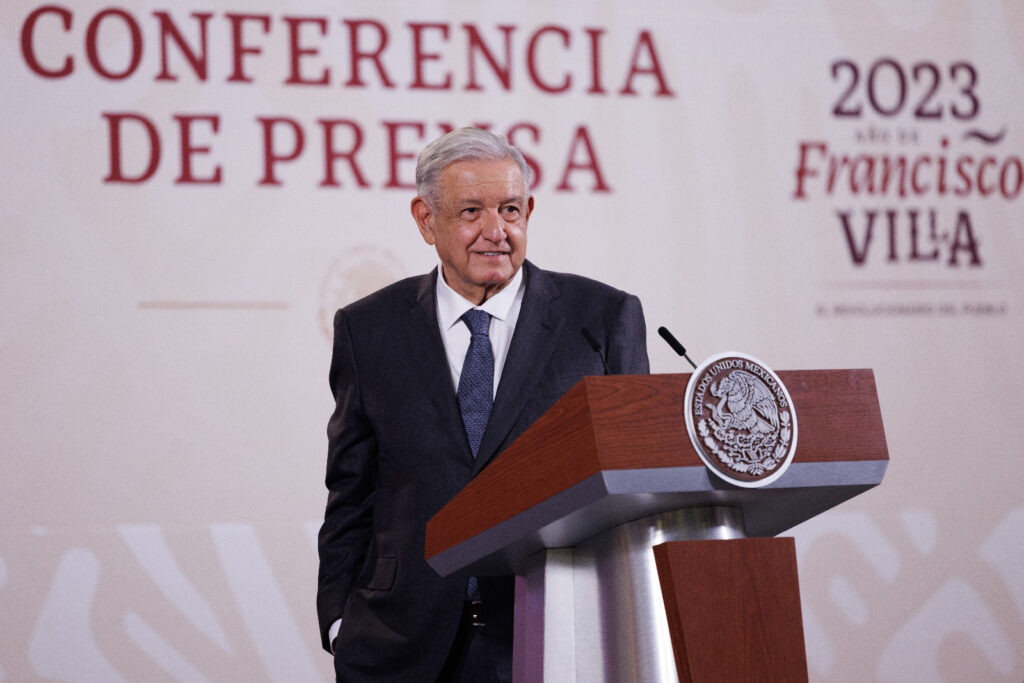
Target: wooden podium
{"points": [[575, 506]]}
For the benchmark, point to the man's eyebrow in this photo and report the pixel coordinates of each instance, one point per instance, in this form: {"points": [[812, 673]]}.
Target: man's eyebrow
{"points": [[473, 201]]}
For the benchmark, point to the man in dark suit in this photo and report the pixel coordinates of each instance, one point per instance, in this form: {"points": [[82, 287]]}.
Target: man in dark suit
{"points": [[434, 376]]}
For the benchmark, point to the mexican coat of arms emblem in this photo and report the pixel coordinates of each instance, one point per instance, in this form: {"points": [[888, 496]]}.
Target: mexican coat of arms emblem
{"points": [[740, 419]]}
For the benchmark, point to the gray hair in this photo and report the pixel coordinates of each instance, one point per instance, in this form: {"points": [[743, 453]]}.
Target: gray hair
{"points": [[459, 145]]}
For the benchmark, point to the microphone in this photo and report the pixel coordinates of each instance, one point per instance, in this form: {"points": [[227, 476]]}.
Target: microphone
{"points": [[676, 346], [596, 345]]}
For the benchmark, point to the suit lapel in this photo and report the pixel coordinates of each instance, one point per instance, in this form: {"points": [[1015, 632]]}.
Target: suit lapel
{"points": [[536, 333], [426, 350]]}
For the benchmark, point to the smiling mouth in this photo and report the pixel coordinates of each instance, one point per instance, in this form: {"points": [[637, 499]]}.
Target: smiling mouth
{"points": [[492, 253]]}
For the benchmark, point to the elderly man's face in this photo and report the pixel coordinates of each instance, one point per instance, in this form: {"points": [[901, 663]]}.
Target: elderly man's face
{"points": [[479, 227]]}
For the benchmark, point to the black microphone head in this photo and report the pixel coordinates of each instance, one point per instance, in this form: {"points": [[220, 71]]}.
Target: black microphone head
{"points": [[672, 341]]}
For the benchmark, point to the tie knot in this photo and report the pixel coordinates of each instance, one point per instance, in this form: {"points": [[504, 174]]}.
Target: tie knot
{"points": [[477, 321]]}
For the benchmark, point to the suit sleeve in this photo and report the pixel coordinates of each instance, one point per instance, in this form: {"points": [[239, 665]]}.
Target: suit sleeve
{"points": [[627, 340], [351, 483]]}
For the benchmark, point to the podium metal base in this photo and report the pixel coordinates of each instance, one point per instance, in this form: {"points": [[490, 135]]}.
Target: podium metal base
{"points": [[595, 613]]}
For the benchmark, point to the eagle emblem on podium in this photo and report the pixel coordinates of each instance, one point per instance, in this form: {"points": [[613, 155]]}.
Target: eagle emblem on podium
{"points": [[740, 419]]}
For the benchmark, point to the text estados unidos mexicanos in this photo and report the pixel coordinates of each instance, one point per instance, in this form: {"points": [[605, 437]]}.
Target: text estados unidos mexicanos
{"points": [[735, 364]]}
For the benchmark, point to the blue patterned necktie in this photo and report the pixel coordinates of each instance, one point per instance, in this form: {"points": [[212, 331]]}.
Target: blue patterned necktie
{"points": [[476, 383], [476, 392]]}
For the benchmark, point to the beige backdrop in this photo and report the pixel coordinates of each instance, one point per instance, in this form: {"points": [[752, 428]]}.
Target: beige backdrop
{"points": [[165, 343]]}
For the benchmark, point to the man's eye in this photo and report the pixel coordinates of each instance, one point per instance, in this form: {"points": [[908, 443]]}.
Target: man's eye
{"points": [[510, 210], [470, 211]]}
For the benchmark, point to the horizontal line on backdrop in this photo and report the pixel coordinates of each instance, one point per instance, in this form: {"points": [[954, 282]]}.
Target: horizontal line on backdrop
{"points": [[215, 305], [910, 284]]}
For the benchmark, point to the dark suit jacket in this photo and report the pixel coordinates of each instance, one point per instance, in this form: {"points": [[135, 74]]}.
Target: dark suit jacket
{"points": [[398, 452]]}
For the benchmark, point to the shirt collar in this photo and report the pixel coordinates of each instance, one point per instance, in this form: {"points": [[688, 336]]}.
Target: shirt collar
{"points": [[451, 305]]}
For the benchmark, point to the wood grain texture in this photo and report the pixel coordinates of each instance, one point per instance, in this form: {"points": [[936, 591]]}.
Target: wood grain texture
{"points": [[733, 610]]}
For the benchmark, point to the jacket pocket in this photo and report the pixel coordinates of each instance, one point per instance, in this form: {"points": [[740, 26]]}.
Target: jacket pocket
{"points": [[383, 574]]}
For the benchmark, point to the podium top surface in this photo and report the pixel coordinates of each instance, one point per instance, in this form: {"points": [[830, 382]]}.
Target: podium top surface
{"points": [[615, 448]]}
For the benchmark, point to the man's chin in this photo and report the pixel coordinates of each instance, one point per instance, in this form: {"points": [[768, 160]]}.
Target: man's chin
{"points": [[495, 283], [490, 277]]}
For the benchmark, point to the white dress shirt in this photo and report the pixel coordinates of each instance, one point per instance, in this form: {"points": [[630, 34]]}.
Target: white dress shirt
{"points": [[504, 310]]}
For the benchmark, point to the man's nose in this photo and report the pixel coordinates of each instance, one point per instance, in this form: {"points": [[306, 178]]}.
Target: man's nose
{"points": [[494, 226]]}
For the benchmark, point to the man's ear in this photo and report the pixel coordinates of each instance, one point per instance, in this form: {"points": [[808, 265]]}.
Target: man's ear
{"points": [[424, 217], [529, 207]]}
